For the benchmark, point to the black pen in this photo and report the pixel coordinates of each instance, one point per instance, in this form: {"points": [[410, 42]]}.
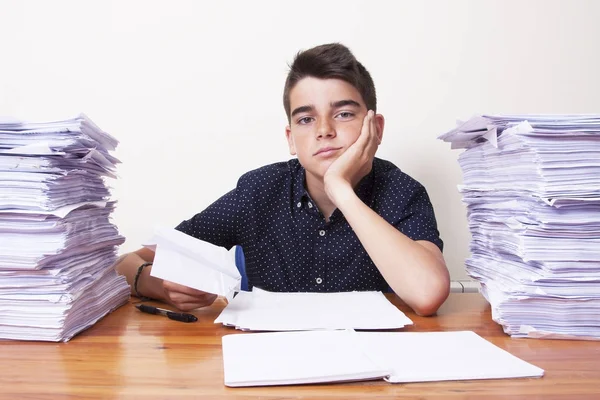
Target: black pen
{"points": [[183, 317]]}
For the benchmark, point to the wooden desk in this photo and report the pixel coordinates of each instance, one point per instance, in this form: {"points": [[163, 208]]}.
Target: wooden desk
{"points": [[134, 355]]}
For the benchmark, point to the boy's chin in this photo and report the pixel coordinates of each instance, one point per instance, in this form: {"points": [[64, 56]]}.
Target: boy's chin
{"points": [[318, 169], [317, 172]]}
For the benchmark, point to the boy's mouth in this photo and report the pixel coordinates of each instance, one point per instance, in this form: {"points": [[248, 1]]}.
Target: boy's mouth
{"points": [[326, 151]]}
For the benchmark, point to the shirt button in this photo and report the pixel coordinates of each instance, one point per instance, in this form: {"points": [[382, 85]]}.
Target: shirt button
{"points": [[322, 232], [319, 280], [309, 205], [299, 205]]}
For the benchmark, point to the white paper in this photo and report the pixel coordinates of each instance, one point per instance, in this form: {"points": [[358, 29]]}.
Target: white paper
{"points": [[263, 359], [532, 190], [36, 148], [182, 259], [260, 310], [57, 243], [332, 356], [442, 356]]}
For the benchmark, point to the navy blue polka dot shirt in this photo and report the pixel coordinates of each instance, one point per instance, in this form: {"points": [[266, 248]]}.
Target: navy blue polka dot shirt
{"points": [[287, 243]]}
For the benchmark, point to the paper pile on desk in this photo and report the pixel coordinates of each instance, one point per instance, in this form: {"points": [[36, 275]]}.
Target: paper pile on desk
{"points": [[532, 189], [260, 310], [57, 244]]}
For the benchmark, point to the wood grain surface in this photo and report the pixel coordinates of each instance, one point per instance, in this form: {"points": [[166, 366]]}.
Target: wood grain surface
{"points": [[129, 354]]}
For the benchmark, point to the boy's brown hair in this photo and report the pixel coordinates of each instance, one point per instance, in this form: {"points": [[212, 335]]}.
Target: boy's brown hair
{"points": [[330, 61]]}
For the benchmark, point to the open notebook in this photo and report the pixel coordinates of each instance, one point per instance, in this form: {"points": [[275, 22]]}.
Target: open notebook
{"points": [[286, 358]]}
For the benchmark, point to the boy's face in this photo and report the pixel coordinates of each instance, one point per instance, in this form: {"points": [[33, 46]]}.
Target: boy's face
{"points": [[326, 117]]}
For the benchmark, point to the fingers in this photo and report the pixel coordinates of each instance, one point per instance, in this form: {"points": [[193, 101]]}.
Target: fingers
{"points": [[175, 287], [374, 129], [365, 132], [186, 298], [374, 138], [192, 305], [368, 140], [186, 303]]}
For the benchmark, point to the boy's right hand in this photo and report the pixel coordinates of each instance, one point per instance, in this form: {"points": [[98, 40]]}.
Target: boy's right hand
{"points": [[185, 298]]}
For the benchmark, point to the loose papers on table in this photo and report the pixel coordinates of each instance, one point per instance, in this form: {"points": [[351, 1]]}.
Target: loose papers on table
{"points": [[260, 310], [57, 244], [284, 358]]}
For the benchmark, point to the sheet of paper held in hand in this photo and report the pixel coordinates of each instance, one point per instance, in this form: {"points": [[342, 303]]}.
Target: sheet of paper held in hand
{"points": [[183, 259]]}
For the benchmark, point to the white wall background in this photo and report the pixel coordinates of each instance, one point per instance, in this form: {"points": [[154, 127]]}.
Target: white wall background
{"points": [[192, 89]]}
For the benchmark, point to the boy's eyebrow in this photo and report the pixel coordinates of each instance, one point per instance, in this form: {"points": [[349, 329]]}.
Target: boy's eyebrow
{"points": [[344, 103], [302, 109], [335, 104]]}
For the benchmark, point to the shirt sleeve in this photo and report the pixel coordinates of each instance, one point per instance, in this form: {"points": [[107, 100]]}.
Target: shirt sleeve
{"points": [[418, 220], [218, 223]]}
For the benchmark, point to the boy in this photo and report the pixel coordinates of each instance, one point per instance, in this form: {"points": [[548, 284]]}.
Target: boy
{"points": [[334, 219]]}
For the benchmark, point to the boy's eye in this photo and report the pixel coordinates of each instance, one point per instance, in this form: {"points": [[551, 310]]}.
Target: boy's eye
{"points": [[304, 120], [345, 114]]}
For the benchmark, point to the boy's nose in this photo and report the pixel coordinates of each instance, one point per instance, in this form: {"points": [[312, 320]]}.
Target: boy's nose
{"points": [[325, 129]]}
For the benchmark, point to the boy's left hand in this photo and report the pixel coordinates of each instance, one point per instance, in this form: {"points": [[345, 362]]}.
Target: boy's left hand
{"points": [[356, 162]]}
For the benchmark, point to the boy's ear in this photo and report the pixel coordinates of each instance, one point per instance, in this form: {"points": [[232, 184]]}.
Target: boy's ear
{"points": [[379, 125], [288, 136]]}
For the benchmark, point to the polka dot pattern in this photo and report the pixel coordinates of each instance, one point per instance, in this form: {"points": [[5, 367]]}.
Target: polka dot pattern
{"points": [[287, 243]]}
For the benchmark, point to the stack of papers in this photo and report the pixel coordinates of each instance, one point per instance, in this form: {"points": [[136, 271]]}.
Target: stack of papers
{"points": [[284, 358], [57, 244], [260, 310], [532, 189]]}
